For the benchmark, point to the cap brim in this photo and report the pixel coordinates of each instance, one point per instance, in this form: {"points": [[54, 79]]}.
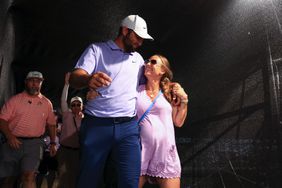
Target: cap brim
{"points": [[145, 36]]}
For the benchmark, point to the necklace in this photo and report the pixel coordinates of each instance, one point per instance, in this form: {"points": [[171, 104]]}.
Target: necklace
{"points": [[152, 93]]}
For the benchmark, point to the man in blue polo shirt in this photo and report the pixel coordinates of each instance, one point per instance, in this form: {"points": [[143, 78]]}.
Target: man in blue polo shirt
{"points": [[113, 69]]}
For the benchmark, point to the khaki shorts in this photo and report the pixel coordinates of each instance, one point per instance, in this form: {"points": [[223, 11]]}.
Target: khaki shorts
{"points": [[25, 159]]}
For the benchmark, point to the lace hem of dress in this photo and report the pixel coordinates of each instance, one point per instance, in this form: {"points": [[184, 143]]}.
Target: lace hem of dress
{"points": [[153, 179], [168, 176]]}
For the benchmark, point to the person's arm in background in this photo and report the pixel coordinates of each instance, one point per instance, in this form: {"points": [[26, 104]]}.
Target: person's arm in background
{"points": [[180, 106], [64, 97]]}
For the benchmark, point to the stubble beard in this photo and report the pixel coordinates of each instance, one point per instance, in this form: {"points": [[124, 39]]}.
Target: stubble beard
{"points": [[127, 45], [33, 91]]}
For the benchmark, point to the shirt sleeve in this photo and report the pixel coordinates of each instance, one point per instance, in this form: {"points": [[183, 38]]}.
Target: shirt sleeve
{"points": [[7, 109], [87, 60], [64, 97], [142, 77]]}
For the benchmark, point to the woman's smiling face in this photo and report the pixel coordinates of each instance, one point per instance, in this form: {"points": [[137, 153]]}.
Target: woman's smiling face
{"points": [[154, 67]]}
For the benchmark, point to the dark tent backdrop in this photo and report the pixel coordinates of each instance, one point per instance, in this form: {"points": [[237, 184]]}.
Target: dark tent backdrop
{"points": [[226, 54]]}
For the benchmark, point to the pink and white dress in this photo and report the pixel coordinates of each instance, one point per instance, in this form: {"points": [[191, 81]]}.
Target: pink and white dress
{"points": [[159, 153]]}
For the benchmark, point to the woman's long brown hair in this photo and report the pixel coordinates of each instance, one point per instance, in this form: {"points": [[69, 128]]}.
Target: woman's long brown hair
{"points": [[165, 83]]}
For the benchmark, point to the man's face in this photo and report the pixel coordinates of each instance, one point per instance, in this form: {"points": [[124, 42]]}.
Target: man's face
{"points": [[33, 86], [132, 41]]}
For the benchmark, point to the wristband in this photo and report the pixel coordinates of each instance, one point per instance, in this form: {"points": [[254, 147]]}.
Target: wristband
{"points": [[185, 101], [53, 143]]}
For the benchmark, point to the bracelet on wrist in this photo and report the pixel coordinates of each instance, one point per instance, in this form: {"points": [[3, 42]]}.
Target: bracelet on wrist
{"points": [[185, 101], [52, 143]]}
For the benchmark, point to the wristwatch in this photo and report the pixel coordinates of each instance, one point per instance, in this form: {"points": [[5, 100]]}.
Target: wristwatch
{"points": [[52, 143]]}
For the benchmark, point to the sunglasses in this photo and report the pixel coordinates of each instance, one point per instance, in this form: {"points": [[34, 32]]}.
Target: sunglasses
{"points": [[76, 105], [153, 61]]}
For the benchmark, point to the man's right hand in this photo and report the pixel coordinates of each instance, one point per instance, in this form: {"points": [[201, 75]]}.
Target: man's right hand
{"points": [[80, 79], [99, 79], [13, 142]]}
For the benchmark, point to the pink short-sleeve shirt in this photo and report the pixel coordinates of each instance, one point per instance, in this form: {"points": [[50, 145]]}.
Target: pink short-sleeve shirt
{"points": [[28, 115]]}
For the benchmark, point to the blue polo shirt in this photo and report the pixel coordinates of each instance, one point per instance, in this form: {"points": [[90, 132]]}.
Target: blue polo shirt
{"points": [[119, 98]]}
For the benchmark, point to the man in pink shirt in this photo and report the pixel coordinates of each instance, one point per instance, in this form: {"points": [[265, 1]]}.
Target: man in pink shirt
{"points": [[23, 119]]}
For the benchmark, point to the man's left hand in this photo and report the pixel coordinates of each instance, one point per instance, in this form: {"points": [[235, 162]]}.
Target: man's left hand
{"points": [[53, 150]]}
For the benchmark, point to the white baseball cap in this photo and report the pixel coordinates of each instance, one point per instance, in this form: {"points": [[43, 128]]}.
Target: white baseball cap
{"points": [[138, 25], [34, 74], [76, 98]]}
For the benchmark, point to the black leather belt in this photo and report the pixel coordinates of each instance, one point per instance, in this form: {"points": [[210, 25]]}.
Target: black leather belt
{"points": [[113, 119]]}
